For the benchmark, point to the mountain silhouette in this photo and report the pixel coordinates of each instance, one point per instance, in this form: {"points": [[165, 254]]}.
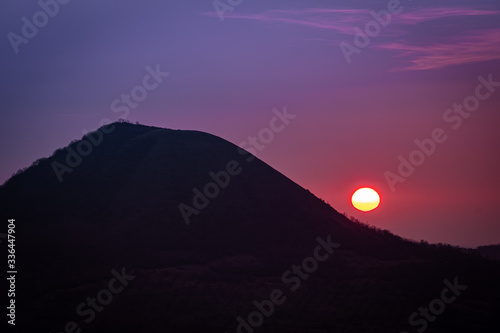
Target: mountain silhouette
{"points": [[182, 231], [490, 251]]}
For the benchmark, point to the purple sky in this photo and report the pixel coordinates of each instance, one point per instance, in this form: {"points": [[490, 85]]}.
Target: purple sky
{"points": [[225, 77]]}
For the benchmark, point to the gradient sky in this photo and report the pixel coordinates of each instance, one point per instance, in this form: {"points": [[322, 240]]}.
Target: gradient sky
{"points": [[226, 76]]}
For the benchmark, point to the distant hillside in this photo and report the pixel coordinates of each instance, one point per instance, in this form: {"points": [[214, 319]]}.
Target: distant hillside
{"points": [[490, 251], [253, 236]]}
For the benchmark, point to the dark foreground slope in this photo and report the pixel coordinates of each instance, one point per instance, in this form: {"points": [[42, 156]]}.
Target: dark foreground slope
{"points": [[490, 251], [118, 210]]}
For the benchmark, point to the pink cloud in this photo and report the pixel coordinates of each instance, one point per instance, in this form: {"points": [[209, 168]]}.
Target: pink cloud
{"points": [[474, 47], [429, 14], [344, 20], [479, 46]]}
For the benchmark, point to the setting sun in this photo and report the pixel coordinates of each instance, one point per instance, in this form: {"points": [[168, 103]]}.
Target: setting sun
{"points": [[365, 199]]}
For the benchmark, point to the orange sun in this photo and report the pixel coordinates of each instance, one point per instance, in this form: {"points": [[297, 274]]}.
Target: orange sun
{"points": [[365, 199]]}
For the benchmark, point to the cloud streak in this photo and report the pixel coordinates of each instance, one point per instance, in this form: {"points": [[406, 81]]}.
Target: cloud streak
{"points": [[470, 47], [430, 14], [341, 20], [475, 47], [344, 20]]}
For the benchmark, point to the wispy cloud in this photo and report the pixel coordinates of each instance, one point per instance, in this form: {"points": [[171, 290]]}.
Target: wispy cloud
{"points": [[429, 14], [475, 47], [470, 47], [344, 20]]}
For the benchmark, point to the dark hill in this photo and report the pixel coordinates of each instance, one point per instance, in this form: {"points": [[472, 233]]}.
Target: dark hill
{"points": [[490, 251], [119, 208]]}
